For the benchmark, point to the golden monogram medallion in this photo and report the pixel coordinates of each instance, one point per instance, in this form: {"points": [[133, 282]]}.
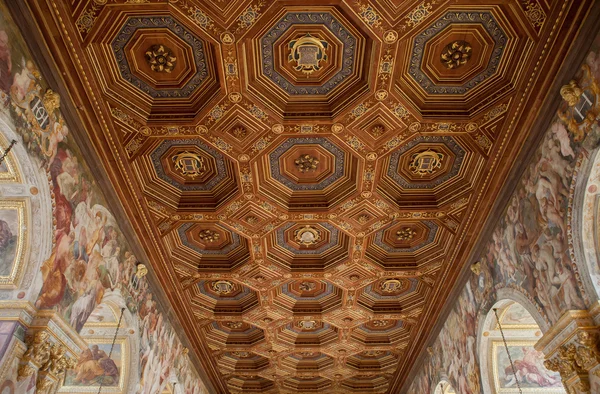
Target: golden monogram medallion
{"points": [[189, 164]]}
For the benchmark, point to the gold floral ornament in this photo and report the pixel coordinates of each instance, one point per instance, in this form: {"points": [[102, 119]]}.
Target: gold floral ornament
{"points": [[239, 132], [308, 52], [307, 235], [51, 101], [307, 286], [208, 235], [405, 234], [251, 219], [234, 325], [364, 218], [160, 58], [189, 164], [222, 286], [426, 162], [306, 163], [456, 54], [377, 130], [380, 323]]}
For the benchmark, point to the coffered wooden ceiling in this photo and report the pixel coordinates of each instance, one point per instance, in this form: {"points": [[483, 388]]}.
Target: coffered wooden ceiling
{"points": [[308, 177]]}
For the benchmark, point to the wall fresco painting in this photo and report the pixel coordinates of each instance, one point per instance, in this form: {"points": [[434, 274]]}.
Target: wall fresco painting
{"points": [[529, 367], [528, 252], [13, 238], [91, 262], [517, 315], [95, 367]]}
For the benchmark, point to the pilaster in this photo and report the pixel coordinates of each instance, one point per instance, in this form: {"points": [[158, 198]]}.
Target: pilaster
{"points": [[43, 346], [572, 348]]}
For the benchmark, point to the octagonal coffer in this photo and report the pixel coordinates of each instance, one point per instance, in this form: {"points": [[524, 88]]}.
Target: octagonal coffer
{"points": [[391, 295], [308, 58], [428, 171], [187, 174], [366, 383], [307, 333], [307, 384], [307, 361], [381, 332], [372, 361], [163, 65], [232, 334], [308, 296], [459, 59], [242, 362], [207, 247], [306, 246], [250, 384], [307, 173], [224, 297]]}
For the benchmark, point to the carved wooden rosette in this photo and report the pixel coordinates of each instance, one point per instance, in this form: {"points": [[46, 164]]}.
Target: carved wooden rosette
{"points": [[572, 349]]}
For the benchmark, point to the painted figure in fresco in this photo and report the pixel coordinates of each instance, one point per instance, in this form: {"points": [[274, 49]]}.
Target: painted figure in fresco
{"points": [[90, 260], [7, 239], [5, 63], [530, 371], [94, 363]]}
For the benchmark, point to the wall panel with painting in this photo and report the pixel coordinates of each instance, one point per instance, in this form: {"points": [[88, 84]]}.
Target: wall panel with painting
{"points": [[529, 256], [84, 266]]}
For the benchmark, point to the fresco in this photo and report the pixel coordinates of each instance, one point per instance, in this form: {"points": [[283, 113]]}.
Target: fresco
{"points": [[95, 367], [591, 231], [529, 367], [528, 251], [91, 262], [517, 315], [9, 234]]}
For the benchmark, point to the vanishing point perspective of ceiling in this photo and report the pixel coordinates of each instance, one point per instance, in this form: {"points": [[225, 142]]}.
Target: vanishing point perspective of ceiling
{"points": [[308, 178]]}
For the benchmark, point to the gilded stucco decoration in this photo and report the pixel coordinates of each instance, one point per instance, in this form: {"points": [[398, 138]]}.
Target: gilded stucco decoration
{"points": [[189, 164], [426, 162], [307, 52], [456, 54], [161, 58], [306, 163], [307, 235]]}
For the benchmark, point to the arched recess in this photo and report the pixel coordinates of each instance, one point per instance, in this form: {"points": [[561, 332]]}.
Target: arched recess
{"points": [[521, 331], [444, 387], [585, 216], [25, 211]]}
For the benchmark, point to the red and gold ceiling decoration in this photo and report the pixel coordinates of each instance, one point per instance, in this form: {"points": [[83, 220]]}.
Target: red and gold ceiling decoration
{"points": [[308, 178]]}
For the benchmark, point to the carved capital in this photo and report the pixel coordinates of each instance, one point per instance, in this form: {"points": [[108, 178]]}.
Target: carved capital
{"points": [[575, 359], [37, 354], [49, 358]]}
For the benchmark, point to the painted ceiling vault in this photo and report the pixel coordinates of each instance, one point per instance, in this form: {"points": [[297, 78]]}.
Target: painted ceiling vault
{"points": [[308, 178]]}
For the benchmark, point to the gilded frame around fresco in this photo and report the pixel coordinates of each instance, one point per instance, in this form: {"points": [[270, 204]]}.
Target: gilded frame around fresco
{"points": [[498, 345], [11, 175], [12, 280], [123, 341]]}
